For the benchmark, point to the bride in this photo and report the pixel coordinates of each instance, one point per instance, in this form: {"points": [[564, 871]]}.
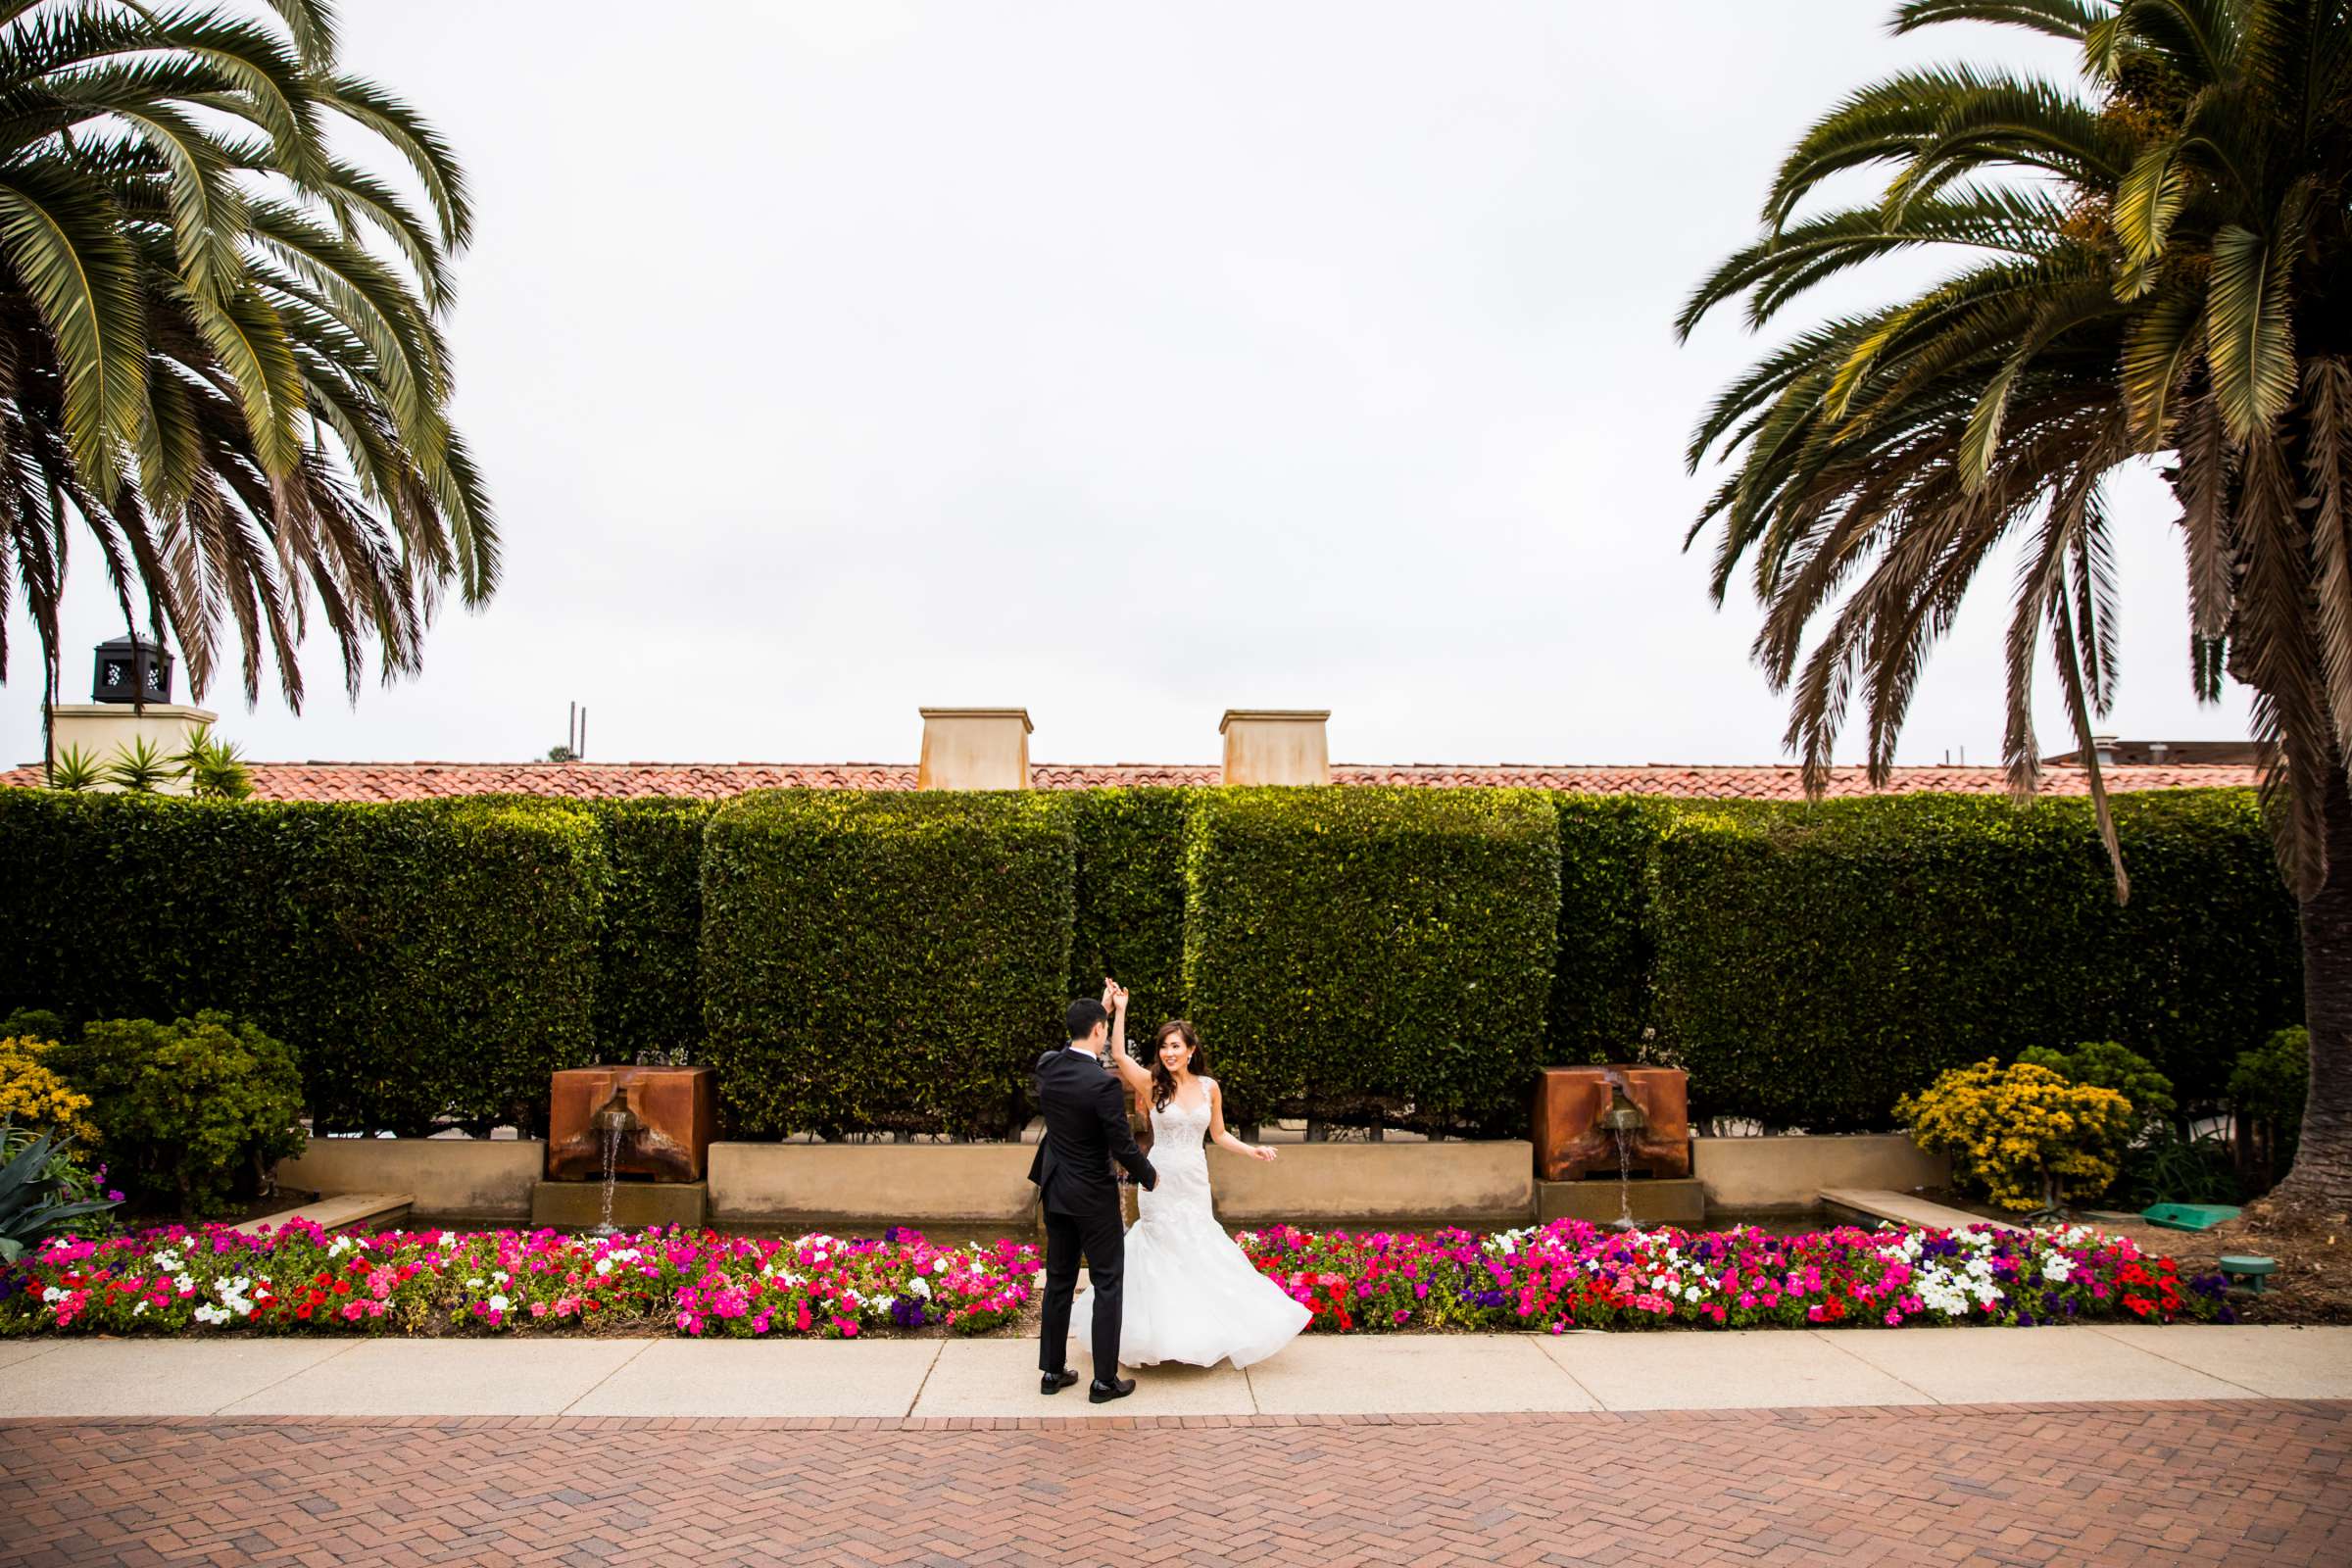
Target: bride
{"points": [[1192, 1296]]}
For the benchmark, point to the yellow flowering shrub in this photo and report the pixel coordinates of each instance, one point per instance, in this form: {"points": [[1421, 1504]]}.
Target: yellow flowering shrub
{"points": [[2023, 1134], [32, 1095]]}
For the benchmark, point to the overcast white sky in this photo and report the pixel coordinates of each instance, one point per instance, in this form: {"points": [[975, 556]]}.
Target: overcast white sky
{"points": [[1124, 361]]}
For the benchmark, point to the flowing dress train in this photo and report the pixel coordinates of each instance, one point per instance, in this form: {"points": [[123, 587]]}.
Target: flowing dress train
{"points": [[1190, 1293]]}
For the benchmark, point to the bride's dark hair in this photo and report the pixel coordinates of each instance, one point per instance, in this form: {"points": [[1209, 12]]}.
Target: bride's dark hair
{"points": [[1163, 1084]]}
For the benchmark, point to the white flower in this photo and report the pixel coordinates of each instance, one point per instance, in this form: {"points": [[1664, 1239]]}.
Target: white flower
{"points": [[498, 1303], [184, 1283], [919, 1286], [475, 1283], [52, 1293], [2057, 1268], [603, 1265], [498, 1274], [211, 1314], [139, 1310], [938, 1265]]}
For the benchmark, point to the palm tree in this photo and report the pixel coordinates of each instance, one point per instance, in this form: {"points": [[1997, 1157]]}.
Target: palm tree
{"points": [[2151, 267], [220, 349]]}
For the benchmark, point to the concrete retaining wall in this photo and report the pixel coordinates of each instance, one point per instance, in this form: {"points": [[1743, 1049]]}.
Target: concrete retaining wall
{"points": [[461, 1177], [1309, 1184], [974, 1183], [1790, 1172]]}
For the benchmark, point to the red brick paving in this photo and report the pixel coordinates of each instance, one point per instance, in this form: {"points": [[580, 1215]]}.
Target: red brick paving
{"points": [[2252, 1482]]}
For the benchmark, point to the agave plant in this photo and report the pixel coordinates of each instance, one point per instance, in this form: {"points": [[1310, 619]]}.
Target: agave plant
{"points": [[219, 346], [76, 769], [36, 1193], [141, 767], [2153, 268], [215, 768]]}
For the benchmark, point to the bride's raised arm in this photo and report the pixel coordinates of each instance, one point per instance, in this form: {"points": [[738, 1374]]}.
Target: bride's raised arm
{"points": [[1132, 1074], [1216, 1127]]}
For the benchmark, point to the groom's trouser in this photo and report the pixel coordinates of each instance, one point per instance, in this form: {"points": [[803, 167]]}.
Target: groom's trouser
{"points": [[1103, 1242]]}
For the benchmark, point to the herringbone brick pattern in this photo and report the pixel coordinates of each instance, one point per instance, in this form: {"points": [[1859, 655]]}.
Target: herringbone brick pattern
{"points": [[2244, 1483]]}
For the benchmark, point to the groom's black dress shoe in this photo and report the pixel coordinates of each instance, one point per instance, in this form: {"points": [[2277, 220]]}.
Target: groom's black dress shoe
{"points": [[1101, 1393], [1056, 1382]]}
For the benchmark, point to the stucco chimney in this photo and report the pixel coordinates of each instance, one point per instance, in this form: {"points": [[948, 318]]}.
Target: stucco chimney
{"points": [[975, 749], [115, 720], [1276, 746]]}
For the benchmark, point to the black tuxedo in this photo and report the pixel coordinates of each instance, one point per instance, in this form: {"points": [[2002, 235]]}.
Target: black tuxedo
{"points": [[1085, 1128]]}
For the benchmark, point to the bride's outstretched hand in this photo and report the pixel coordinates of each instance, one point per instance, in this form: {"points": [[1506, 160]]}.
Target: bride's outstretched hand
{"points": [[1260, 1151]]}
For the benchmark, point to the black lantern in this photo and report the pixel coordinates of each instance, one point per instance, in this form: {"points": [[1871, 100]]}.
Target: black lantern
{"points": [[133, 669]]}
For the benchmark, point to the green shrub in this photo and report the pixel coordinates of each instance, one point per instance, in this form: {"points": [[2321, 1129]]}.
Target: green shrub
{"points": [[1130, 909], [2105, 1065], [1373, 956], [1601, 978], [190, 1109], [2268, 1086], [1817, 963], [883, 961], [426, 959], [2166, 1167]]}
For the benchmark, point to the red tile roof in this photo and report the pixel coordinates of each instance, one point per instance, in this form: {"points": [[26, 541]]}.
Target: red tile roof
{"points": [[408, 781]]}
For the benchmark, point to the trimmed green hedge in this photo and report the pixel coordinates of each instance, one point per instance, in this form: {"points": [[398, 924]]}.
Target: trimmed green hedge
{"points": [[894, 961], [1373, 956], [428, 961], [1601, 982], [649, 990], [886, 961], [1130, 920], [648, 944], [1816, 963]]}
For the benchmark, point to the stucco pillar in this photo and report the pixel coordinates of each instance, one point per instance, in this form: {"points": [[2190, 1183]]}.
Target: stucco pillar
{"points": [[975, 749], [1276, 746]]}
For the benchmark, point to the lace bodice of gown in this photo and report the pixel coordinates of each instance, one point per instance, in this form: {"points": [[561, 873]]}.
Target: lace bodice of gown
{"points": [[1181, 1159]]}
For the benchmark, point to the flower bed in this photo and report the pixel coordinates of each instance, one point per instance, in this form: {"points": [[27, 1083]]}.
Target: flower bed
{"points": [[440, 1281], [700, 1283], [1570, 1274]]}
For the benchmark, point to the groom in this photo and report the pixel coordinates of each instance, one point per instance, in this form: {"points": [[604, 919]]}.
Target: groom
{"points": [[1086, 1125]]}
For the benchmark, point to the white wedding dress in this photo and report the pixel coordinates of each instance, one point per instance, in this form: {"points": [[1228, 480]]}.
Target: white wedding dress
{"points": [[1190, 1293]]}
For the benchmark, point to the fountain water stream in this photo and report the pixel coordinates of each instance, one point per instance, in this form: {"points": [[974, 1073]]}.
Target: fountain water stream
{"points": [[1625, 1180], [614, 1119], [603, 1224], [1623, 1118]]}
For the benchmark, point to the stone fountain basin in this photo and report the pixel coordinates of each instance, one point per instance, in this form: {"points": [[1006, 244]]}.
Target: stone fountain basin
{"points": [[1572, 1142], [664, 1134]]}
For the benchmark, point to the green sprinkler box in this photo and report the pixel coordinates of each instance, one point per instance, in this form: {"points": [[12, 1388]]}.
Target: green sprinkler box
{"points": [[2188, 1217], [2248, 1270]]}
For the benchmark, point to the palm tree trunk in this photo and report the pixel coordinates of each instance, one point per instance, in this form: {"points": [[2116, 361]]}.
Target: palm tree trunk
{"points": [[2323, 1173]]}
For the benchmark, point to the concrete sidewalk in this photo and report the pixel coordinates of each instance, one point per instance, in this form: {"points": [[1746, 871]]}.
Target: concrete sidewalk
{"points": [[1315, 1375]]}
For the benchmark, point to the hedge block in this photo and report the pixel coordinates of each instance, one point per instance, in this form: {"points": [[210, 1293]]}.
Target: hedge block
{"points": [[1376, 955], [885, 961], [1814, 963], [1130, 913], [428, 961]]}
